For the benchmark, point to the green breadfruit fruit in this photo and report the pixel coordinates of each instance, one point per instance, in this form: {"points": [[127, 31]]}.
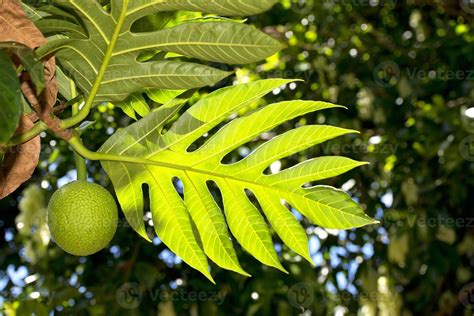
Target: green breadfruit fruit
{"points": [[82, 218]]}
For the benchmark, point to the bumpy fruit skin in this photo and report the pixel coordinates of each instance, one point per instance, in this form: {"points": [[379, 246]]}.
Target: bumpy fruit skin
{"points": [[82, 218]]}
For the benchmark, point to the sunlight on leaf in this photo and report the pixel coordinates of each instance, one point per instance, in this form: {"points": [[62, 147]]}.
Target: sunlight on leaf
{"points": [[169, 150]]}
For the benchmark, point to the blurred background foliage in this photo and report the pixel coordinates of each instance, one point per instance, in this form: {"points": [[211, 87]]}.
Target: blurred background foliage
{"points": [[405, 70]]}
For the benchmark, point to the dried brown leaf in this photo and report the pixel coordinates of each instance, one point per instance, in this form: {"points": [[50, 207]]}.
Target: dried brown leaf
{"points": [[19, 162], [16, 27]]}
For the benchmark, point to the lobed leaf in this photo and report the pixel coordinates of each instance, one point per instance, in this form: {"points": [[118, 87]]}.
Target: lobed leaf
{"points": [[171, 162], [85, 41]]}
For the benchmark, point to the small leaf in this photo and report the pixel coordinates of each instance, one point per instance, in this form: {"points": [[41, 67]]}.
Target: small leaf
{"points": [[30, 62], [10, 99], [135, 104]]}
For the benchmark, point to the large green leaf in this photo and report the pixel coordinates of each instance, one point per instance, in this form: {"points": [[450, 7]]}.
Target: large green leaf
{"points": [[84, 46], [220, 7], [168, 152], [10, 99]]}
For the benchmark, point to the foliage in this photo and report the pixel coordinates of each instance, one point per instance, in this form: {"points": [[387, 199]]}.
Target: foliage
{"points": [[101, 57], [415, 128]]}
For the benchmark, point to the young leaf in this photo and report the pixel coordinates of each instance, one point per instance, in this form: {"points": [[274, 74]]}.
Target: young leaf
{"points": [[170, 159], [82, 50]]}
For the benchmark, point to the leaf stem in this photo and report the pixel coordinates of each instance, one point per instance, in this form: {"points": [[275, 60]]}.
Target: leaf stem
{"points": [[81, 166], [84, 112], [39, 127], [78, 147], [28, 135]]}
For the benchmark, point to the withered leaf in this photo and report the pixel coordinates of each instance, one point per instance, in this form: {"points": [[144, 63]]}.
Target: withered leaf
{"points": [[16, 27], [19, 162]]}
